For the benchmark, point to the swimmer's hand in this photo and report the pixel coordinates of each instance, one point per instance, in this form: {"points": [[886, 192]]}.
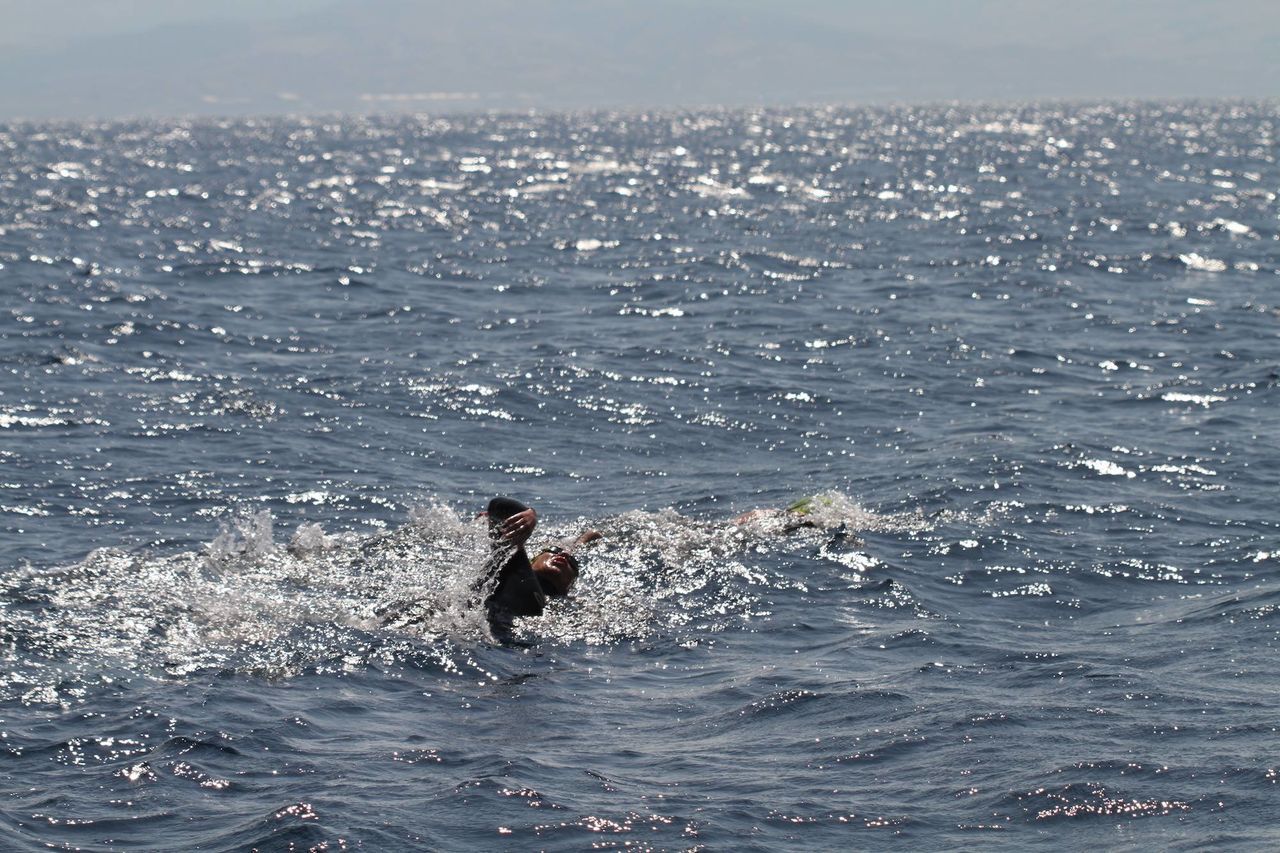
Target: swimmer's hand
{"points": [[588, 537], [518, 528]]}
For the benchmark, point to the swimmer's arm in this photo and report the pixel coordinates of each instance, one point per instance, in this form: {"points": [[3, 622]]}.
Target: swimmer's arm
{"points": [[508, 540], [586, 537]]}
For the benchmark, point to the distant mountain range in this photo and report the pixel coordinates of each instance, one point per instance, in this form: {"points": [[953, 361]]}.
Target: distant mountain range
{"points": [[433, 56]]}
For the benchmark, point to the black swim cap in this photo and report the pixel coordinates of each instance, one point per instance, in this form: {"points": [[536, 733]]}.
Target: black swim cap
{"points": [[500, 509]]}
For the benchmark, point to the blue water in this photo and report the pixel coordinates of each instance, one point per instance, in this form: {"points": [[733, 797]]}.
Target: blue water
{"points": [[257, 376]]}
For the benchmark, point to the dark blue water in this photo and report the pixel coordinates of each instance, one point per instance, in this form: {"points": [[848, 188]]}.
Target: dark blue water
{"points": [[256, 377]]}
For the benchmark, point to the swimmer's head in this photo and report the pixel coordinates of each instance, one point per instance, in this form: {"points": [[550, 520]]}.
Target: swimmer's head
{"points": [[557, 570]]}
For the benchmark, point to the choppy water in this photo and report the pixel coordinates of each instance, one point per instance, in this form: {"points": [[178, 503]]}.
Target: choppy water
{"points": [[256, 377]]}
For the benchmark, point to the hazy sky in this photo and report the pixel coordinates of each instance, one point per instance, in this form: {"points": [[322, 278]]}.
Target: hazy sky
{"points": [[108, 58]]}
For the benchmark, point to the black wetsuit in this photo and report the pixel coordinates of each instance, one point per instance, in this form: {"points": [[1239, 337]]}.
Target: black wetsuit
{"points": [[517, 591]]}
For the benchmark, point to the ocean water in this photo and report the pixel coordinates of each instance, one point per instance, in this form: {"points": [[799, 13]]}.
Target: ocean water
{"points": [[257, 377]]}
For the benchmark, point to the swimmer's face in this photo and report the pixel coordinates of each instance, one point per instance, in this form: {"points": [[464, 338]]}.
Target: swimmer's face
{"points": [[557, 571]]}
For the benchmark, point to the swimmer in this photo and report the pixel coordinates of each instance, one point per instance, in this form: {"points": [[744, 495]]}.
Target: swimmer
{"points": [[520, 586], [792, 518]]}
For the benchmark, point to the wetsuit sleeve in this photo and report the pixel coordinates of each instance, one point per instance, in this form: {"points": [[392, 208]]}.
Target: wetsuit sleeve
{"points": [[507, 571]]}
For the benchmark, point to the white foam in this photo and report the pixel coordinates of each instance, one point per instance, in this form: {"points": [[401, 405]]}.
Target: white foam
{"points": [[309, 539], [705, 185], [1107, 468], [247, 604], [1198, 399], [1231, 226], [1196, 262]]}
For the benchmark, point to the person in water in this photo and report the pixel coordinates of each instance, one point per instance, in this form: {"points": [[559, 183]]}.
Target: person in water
{"points": [[519, 586], [516, 586], [793, 517]]}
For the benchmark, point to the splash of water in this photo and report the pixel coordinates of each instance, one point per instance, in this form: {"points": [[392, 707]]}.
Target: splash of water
{"points": [[409, 594]]}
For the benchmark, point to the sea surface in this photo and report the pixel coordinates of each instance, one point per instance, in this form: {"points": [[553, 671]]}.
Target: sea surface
{"points": [[258, 376]]}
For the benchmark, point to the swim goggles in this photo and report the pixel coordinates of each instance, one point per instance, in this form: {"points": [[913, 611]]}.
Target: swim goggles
{"points": [[574, 562]]}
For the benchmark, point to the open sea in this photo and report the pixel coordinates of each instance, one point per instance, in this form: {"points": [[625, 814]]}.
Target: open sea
{"points": [[258, 376]]}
